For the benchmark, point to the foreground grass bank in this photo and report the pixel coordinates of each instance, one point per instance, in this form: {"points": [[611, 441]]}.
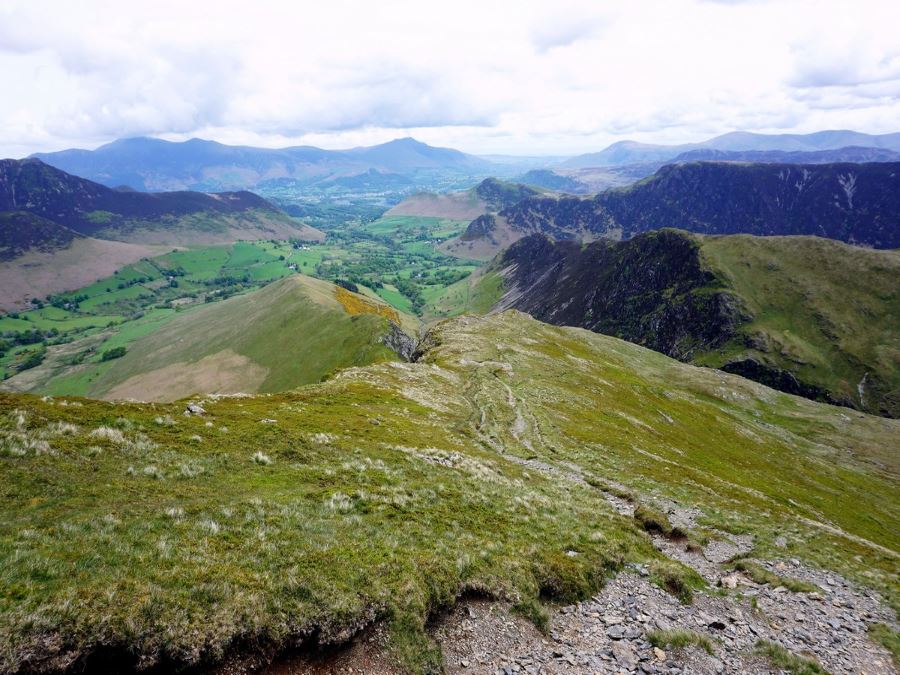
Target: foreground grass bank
{"points": [[387, 491]]}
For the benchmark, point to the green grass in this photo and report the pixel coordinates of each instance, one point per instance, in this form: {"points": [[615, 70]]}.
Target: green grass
{"points": [[781, 658], [822, 309], [292, 332], [394, 488], [535, 612], [476, 294], [679, 639], [141, 306]]}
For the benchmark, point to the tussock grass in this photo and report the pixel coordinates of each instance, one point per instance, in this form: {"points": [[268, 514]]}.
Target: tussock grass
{"points": [[261, 458], [677, 579], [679, 639], [781, 658]]}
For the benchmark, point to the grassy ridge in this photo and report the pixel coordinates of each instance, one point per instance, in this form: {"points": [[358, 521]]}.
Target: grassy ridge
{"points": [[386, 491], [292, 332], [821, 309]]}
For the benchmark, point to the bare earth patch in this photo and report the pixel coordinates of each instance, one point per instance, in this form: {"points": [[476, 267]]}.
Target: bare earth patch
{"points": [[224, 372], [456, 206]]}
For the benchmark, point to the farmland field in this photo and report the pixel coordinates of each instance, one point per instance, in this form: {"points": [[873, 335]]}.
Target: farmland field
{"points": [[394, 258]]}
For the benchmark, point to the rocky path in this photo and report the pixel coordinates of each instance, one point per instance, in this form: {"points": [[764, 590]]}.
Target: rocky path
{"points": [[609, 633]]}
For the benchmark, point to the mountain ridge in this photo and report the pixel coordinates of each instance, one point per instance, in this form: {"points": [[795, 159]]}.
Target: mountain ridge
{"points": [[632, 152], [154, 164], [805, 315], [854, 203]]}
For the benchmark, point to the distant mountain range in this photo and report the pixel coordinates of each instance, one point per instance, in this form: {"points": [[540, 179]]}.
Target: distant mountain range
{"points": [[632, 152], [854, 203], [153, 164], [806, 315], [59, 231]]}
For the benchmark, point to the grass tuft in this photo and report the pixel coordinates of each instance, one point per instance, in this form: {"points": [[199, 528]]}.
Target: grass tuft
{"points": [[677, 579], [535, 612], [679, 639], [782, 659]]}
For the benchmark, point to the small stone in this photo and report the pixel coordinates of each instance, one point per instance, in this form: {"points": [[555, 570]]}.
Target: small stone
{"points": [[625, 655], [612, 619], [616, 632], [730, 581], [194, 409], [659, 654]]}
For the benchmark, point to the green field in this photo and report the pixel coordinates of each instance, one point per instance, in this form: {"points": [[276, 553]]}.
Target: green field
{"points": [[394, 258]]}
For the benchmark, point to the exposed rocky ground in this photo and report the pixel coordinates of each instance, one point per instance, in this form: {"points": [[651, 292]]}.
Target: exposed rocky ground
{"points": [[611, 632]]}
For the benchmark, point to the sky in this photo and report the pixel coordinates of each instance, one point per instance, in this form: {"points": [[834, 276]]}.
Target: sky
{"points": [[521, 77]]}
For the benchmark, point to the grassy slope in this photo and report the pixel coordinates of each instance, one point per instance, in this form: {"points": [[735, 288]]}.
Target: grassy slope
{"points": [[829, 310], [388, 490], [294, 329], [475, 294]]}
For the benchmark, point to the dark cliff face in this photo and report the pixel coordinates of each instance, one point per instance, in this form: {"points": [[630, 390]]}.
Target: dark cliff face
{"points": [[652, 290], [87, 207], [855, 203]]}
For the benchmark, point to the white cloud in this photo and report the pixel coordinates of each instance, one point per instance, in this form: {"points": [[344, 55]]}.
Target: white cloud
{"points": [[522, 77]]}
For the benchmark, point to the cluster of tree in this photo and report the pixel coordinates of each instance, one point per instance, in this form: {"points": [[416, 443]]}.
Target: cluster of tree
{"points": [[114, 353], [412, 291]]}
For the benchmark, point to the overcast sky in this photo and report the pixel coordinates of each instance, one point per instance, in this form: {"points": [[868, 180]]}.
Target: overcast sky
{"points": [[555, 77]]}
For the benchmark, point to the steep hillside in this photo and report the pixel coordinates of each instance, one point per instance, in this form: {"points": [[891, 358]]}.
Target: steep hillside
{"points": [[855, 203], [164, 218], [21, 232], [498, 465], [154, 164], [46, 269], [631, 152], [289, 333], [489, 196], [806, 315], [550, 180]]}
